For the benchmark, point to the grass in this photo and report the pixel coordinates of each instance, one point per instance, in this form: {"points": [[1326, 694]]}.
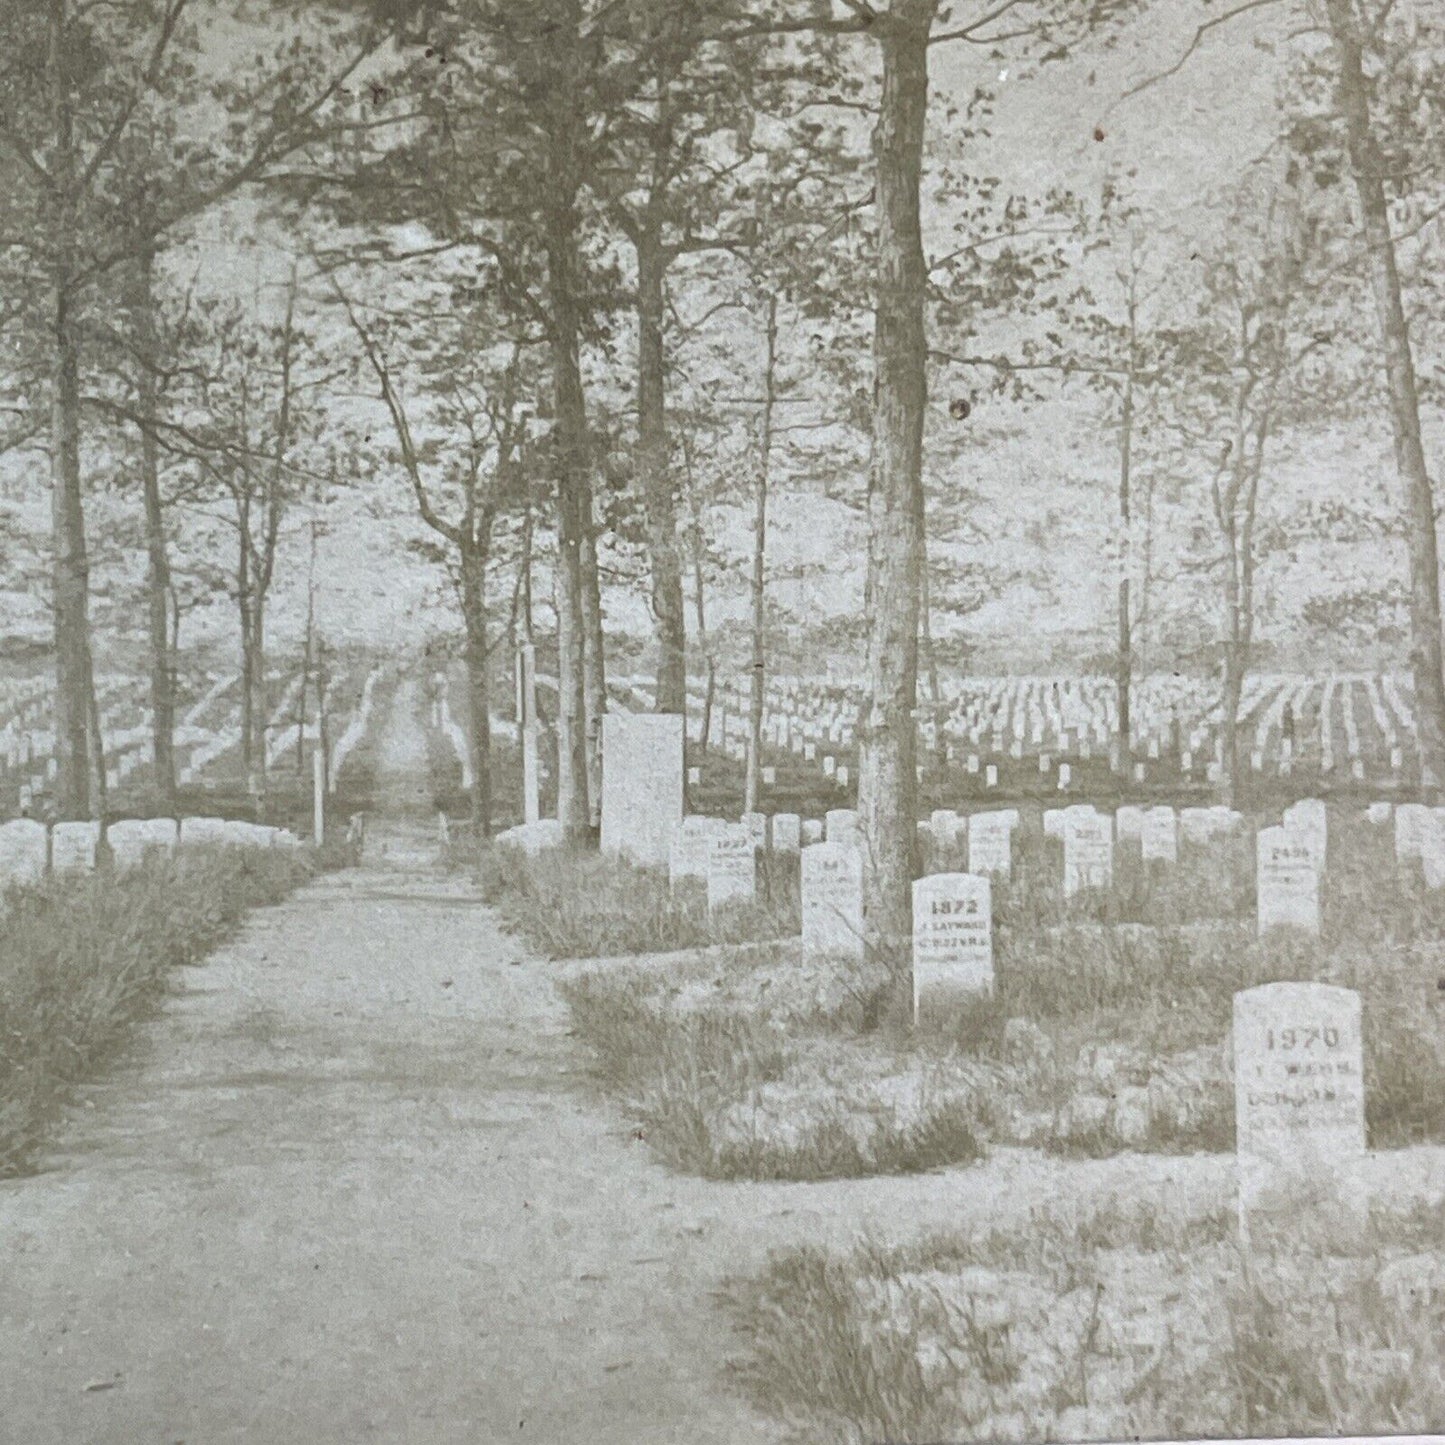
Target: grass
{"points": [[1127, 1319], [590, 906], [82, 960], [1106, 1032]]}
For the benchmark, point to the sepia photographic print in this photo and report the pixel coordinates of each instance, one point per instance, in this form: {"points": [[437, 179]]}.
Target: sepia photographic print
{"points": [[721, 721]]}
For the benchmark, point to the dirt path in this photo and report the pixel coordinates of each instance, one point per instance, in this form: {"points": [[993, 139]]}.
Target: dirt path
{"points": [[347, 1191]]}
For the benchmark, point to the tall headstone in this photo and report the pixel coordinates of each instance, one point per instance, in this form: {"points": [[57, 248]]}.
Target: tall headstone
{"points": [[841, 825], [1299, 1096], [642, 784], [952, 941], [732, 867], [1287, 881], [833, 901], [1088, 852]]}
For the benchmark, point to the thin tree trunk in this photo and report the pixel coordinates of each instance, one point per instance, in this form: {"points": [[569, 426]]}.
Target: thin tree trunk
{"points": [[1125, 659], [656, 476], [1368, 168], [704, 641], [888, 783], [594, 663], [158, 568], [753, 783], [479, 701]]}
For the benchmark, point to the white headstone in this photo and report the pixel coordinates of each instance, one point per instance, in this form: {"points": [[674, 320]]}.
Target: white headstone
{"points": [[787, 832], [812, 832], [23, 848], [532, 838], [1299, 1096], [1129, 822], [72, 847], [1160, 837], [842, 825], [1088, 852], [952, 940], [1287, 881], [198, 831], [642, 773], [687, 853], [133, 838], [990, 776], [990, 843], [947, 827], [1309, 819], [732, 866], [832, 876], [1410, 821]]}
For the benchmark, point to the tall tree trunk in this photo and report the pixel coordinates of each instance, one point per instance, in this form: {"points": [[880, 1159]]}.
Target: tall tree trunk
{"points": [[930, 654], [158, 568], [260, 710], [1368, 168], [753, 784], [479, 700], [888, 783], [653, 455], [573, 458]]}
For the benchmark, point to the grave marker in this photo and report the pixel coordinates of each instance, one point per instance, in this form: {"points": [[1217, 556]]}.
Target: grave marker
{"points": [[732, 867], [72, 847], [642, 784], [1287, 882], [23, 848], [787, 832], [1298, 1090], [990, 843], [688, 851], [1159, 839], [1088, 851], [833, 901], [952, 941]]}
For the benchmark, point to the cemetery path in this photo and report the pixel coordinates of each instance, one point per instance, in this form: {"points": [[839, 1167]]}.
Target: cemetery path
{"points": [[344, 1189]]}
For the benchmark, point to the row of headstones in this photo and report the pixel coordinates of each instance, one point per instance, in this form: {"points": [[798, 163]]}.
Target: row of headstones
{"points": [[29, 850]]}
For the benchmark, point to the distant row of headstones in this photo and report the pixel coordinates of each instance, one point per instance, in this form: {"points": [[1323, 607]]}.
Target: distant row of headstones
{"points": [[29, 850]]}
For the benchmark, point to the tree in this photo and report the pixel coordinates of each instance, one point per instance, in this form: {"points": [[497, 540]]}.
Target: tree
{"points": [[80, 83], [1240, 375], [473, 464]]}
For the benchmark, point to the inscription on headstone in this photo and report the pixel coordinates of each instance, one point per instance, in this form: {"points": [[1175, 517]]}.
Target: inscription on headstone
{"points": [[732, 867], [1299, 1095], [1088, 852], [833, 901], [1287, 882], [952, 940]]}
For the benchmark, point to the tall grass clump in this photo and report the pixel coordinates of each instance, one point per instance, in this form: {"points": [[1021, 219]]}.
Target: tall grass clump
{"points": [[571, 905], [1127, 1320], [82, 959]]}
